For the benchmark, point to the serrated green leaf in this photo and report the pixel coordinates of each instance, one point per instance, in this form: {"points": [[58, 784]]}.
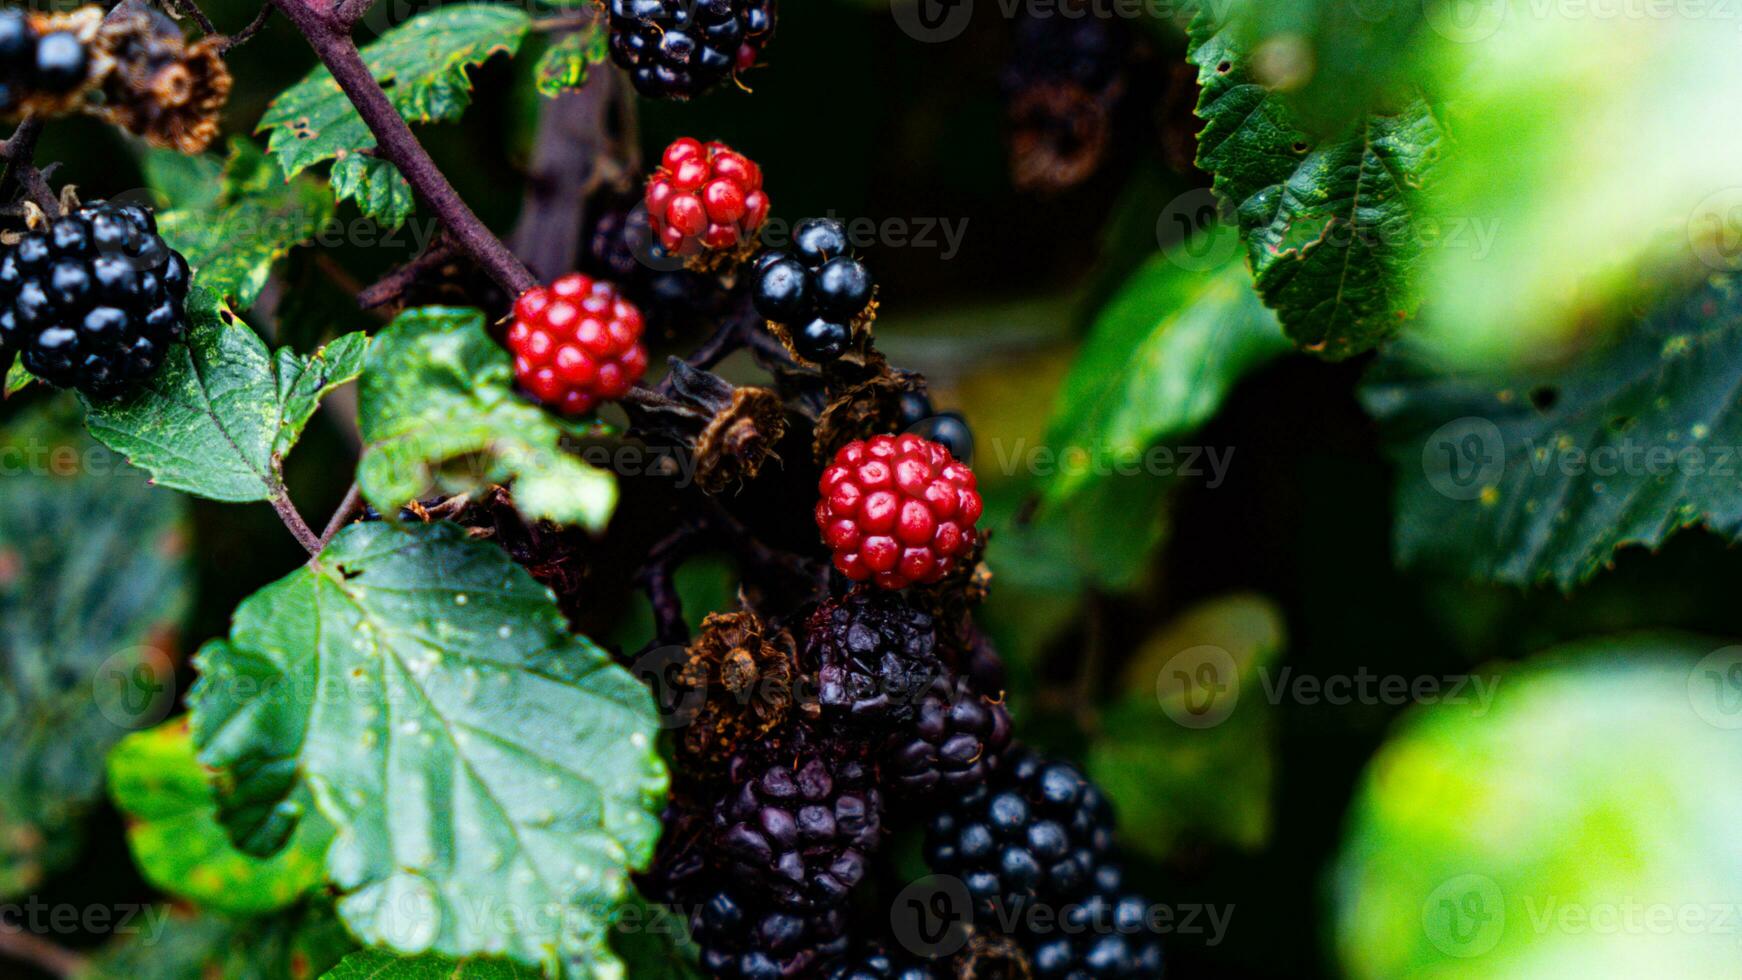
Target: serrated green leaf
{"points": [[422, 64], [1542, 476], [174, 944], [376, 964], [1568, 823], [1329, 224], [179, 845], [224, 412], [437, 388], [182, 181], [492, 777], [377, 186], [93, 585], [565, 64], [18, 378], [1162, 356]]}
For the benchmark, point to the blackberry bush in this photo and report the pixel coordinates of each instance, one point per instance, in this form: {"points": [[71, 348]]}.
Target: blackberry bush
{"points": [[93, 299]]}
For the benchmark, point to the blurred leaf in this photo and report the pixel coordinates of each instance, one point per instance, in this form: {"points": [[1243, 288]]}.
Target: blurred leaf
{"points": [[376, 964], [1330, 225], [1566, 829], [377, 186], [182, 181], [257, 218], [654, 942], [173, 831], [17, 379], [93, 585], [437, 388], [1539, 476], [422, 64], [564, 66], [1175, 755], [300, 944], [223, 413], [471, 752], [1334, 61], [1162, 356]]}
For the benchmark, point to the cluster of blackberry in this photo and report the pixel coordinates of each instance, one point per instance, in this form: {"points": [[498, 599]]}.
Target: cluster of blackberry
{"points": [[816, 292], [93, 299], [54, 62], [678, 49]]}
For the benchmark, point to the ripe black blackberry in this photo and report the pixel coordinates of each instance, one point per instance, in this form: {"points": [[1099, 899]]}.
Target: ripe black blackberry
{"points": [[1108, 934], [815, 292], [93, 299], [677, 49], [952, 743], [870, 657], [620, 247], [1036, 831], [877, 963], [742, 937], [802, 819]]}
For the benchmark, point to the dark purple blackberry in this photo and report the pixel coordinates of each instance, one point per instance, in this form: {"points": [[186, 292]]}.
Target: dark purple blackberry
{"points": [[17, 54], [877, 963], [816, 291], [94, 299], [869, 659], [1035, 832], [620, 247], [953, 742], [801, 820], [677, 49], [1108, 934], [742, 937], [60, 64]]}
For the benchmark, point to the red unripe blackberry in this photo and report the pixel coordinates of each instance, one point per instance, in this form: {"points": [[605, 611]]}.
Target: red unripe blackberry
{"points": [[897, 510], [705, 197], [576, 343]]}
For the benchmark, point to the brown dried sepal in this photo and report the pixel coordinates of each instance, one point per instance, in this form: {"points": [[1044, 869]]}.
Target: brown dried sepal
{"points": [[738, 676], [715, 261], [161, 87], [865, 408], [861, 353], [739, 439], [1060, 132], [991, 956]]}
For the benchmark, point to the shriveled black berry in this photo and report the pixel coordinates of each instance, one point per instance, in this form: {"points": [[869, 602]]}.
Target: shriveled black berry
{"points": [[870, 658], [60, 63], [783, 290], [94, 300], [1034, 832], [677, 49], [820, 340], [953, 744], [803, 819], [843, 288], [817, 240]]}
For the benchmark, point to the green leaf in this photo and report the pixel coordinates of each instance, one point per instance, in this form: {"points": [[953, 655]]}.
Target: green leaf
{"points": [[182, 181], [94, 582], [436, 388], [1541, 476], [17, 379], [223, 413], [422, 64], [1566, 826], [654, 942], [492, 777], [178, 843], [1330, 225], [258, 218], [1335, 61], [564, 65], [1188, 749], [375, 964], [377, 186], [1162, 356], [171, 944]]}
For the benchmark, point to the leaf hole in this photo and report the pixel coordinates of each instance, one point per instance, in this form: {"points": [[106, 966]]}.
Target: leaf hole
{"points": [[1543, 397], [349, 573], [1299, 147], [1224, 68]]}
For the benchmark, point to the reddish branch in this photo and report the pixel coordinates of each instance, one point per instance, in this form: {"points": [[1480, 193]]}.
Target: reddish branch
{"points": [[19, 150], [327, 26]]}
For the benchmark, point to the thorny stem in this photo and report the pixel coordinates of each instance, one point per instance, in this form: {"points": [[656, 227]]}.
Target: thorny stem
{"points": [[19, 151], [327, 27]]}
